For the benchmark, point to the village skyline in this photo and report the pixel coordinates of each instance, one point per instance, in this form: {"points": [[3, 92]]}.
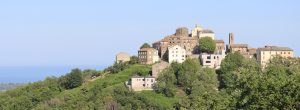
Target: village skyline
{"points": [[37, 34]]}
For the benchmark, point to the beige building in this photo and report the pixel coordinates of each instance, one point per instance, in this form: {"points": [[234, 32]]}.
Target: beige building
{"points": [[244, 49], [140, 83], [220, 47], [264, 55], [158, 68], [199, 32], [211, 60], [181, 38], [148, 56], [176, 54], [122, 57]]}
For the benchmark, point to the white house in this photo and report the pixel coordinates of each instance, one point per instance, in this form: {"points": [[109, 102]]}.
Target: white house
{"points": [[211, 60], [140, 83], [176, 54]]}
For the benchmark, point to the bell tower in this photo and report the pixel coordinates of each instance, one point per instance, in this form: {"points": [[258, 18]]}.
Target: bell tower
{"points": [[231, 38]]}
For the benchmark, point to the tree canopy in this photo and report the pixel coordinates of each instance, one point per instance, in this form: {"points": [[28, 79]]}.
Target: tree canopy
{"points": [[72, 80], [145, 45], [207, 44]]}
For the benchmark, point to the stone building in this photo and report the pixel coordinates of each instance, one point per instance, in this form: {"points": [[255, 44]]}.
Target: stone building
{"points": [[199, 32], [181, 38], [140, 83], [211, 60], [264, 55], [122, 57], [158, 68], [176, 54], [244, 49], [220, 47], [148, 56]]}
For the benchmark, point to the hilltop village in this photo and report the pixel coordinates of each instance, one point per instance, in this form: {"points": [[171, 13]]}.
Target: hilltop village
{"points": [[184, 44]]}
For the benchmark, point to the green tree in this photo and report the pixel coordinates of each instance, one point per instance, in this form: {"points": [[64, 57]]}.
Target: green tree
{"points": [[72, 80], [277, 87], [166, 82], [134, 60], [207, 44], [232, 66], [187, 73], [145, 45]]}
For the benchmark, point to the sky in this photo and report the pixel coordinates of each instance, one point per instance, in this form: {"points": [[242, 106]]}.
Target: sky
{"points": [[91, 32]]}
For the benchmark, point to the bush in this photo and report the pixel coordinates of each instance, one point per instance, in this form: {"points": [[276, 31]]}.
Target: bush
{"points": [[72, 80]]}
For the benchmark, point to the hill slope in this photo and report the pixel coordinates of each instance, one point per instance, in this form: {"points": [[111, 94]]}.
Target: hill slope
{"points": [[98, 94]]}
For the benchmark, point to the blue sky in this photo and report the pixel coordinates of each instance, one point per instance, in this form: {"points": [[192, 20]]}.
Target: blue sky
{"points": [[91, 32]]}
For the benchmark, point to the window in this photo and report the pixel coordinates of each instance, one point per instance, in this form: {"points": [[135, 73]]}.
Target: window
{"points": [[207, 62], [208, 57], [143, 79], [151, 80], [144, 85]]}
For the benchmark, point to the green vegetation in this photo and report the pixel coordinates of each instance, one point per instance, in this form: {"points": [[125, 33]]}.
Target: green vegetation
{"points": [[134, 60], [207, 44], [239, 84], [145, 45], [71, 80]]}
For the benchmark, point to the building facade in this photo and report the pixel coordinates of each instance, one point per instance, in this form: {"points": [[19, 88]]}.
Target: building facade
{"points": [[243, 49], [176, 54], [122, 57], [211, 60], [140, 83], [220, 47], [200, 33], [148, 56], [181, 38], [264, 55]]}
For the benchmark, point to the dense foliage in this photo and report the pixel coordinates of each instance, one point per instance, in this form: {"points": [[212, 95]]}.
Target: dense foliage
{"points": [[134, 60], [207, 45], [145, 45], [239, 84], [72, 80]]}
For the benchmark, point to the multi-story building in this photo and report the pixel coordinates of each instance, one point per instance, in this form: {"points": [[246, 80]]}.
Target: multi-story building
{"points": [[264, 55], [122, 57], [220, 47], [140, 83], [158, 68], [199, 32], [211, 60], [176, 54], [181, 38], [148, 56]]}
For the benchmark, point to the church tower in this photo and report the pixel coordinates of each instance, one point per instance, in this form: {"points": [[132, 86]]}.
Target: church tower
{"points": [[231, 38]]}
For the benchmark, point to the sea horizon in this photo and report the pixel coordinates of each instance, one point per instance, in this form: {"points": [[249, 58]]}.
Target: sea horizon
{"points": [[29, 74]]}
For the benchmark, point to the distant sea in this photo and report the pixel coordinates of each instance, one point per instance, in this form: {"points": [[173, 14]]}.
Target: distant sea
{"points": [[26, 74]]}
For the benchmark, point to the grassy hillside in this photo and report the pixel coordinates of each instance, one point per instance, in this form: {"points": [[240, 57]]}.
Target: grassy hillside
{"points": [[104, 92], [239, 84]]}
